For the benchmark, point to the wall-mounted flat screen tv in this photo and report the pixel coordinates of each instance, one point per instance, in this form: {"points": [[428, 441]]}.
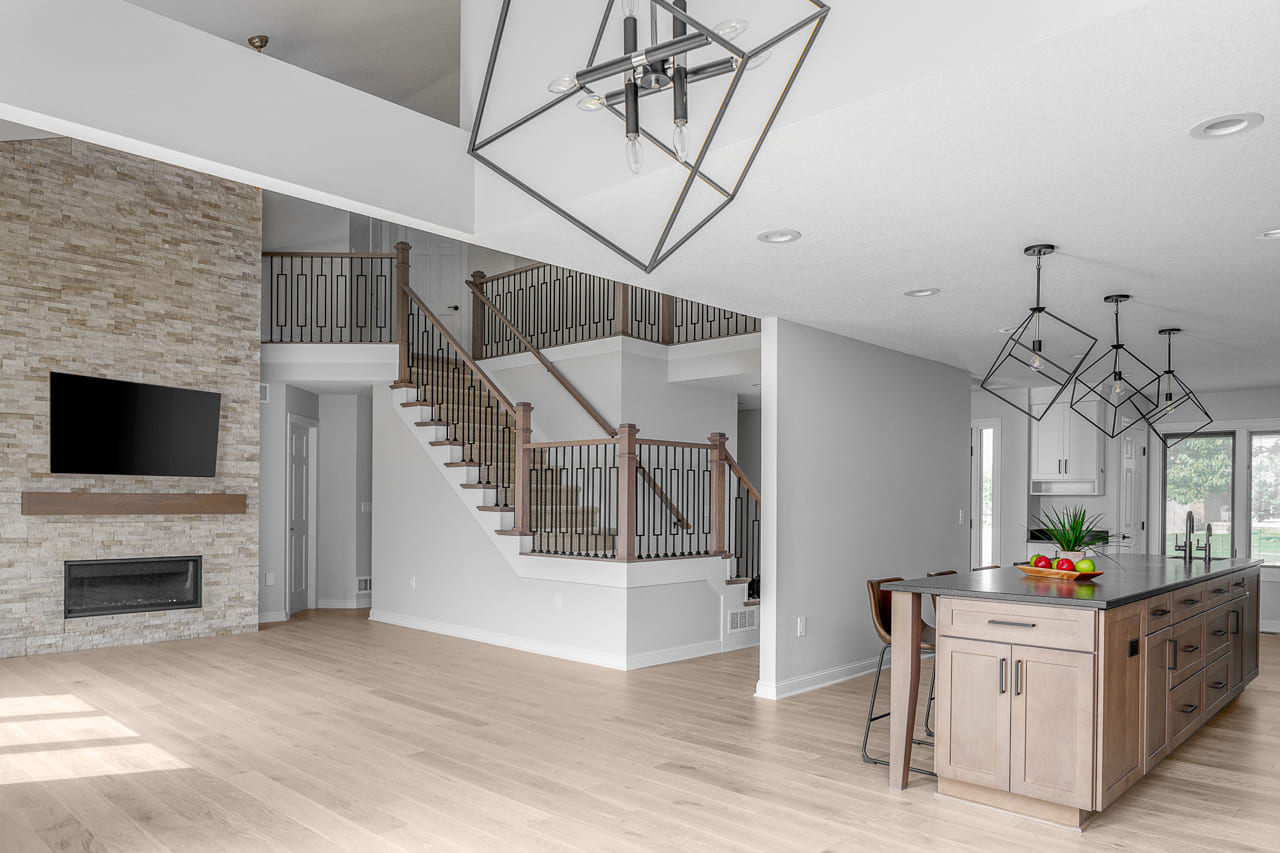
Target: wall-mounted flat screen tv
{"points": [[106, 426]]}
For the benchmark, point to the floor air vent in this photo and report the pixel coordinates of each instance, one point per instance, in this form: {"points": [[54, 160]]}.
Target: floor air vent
{"points": [[742, 620]]}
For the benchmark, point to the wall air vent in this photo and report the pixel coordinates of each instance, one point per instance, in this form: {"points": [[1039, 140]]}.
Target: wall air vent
{"points": [[742, 620], [264, 392]]}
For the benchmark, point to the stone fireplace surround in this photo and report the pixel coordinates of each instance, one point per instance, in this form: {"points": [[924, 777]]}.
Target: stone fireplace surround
{"points": [[117, 266]]}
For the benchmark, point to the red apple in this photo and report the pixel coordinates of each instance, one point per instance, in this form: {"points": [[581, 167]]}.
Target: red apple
{"points": [[1064, 565], [1043, 562]]}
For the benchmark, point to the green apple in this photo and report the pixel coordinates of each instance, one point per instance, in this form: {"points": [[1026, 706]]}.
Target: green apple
{"points": [[1032, 559], [1086, 565]]}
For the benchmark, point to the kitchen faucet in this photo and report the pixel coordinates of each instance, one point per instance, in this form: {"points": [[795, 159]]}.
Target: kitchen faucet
{"points": [[1207, 547], [1187, 553]]}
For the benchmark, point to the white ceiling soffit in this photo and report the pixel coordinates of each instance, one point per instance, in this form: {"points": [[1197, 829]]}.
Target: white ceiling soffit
{"points": [[404, 51], [10, 132], [1079, 138]]}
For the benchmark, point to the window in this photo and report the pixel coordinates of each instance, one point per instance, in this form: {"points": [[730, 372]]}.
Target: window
{"points": [[984, 511], [1199, 479], [1264, 497]]}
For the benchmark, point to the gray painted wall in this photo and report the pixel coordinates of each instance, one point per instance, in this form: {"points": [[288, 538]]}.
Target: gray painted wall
{"points": [[865, 468], [273, 475]]}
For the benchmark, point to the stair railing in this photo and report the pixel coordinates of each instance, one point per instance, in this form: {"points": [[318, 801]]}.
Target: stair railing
{"points": [[328, 297], [741, 526]]}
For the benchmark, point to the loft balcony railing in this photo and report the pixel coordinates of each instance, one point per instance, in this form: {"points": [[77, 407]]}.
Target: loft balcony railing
{"points": [[330, 297], [551, 306]]}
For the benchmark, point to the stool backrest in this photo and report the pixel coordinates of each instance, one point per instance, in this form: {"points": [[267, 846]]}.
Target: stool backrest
{"points": [[984, 568], [881, 607], [934, 598]]}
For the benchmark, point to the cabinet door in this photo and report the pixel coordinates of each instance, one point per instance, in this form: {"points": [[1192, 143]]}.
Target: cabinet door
{"points": [[1157, 658], [1048, 437], [1081, 447], [1249, 666], [973, 691], [1051, 726]]}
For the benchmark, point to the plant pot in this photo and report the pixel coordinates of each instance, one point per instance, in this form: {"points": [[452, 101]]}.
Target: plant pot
{"points": [[1073, 556]]}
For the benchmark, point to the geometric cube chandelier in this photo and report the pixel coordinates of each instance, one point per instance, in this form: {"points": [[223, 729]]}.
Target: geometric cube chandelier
{"points": [[1112, 393], [690, 86], [1044, 351], [1172, 395]]}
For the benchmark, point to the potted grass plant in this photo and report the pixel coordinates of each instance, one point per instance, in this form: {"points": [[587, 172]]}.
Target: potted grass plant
{"points": [[1073, 530]]}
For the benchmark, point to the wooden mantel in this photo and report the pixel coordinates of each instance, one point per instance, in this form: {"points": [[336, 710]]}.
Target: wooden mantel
{"points": [[131, 503]]}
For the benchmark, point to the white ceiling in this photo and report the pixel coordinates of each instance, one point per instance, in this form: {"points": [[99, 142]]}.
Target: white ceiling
{"points": [[1075, 136], [405, 51]]}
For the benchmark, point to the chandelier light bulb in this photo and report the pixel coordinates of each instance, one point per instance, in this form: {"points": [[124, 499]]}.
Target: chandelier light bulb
{"points": [[629, 8], [680, 140], [1037, 363], [635, 155], [560, 85], [731, 29], [759, 59], [591, 103], [1118, 388]]}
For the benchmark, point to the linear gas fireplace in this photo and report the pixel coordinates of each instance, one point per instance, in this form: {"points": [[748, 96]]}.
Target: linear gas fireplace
{"points": [[101, 587]]}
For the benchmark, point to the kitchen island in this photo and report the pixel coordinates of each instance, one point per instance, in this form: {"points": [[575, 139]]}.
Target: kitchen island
{"points": [[1054, 697]]}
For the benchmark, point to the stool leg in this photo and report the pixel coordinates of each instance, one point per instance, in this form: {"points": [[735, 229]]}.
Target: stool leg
{"points": [[871, 707], [928, 708]]}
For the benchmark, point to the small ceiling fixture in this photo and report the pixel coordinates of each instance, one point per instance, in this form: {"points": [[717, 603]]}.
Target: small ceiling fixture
{"points": [[1036, 354], [258, 42], [1228, 125], [778, 235], [1172, 394], [921, 292], [673, 62], [1269, 234], [1110, 392]]}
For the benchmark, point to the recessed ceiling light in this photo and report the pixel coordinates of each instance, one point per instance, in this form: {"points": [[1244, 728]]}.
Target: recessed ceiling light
{"points": [[778, 235], [1269, 234], [922, 292], [1226, 125], [1007, 330]]}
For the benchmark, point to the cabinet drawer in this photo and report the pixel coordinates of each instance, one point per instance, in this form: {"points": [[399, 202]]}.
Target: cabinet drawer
{"points": [[1218, 591], [1070, 628], [1187, 654], [1217, 631], [1239, 583], [1188, 601], [1158, 613], [1217, 685], [1186, 709]]}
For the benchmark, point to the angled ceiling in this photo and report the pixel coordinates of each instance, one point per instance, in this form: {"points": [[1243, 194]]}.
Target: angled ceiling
{"points": [[405, 51]]}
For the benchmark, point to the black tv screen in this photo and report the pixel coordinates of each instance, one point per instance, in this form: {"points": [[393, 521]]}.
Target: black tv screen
{"points": [[106, 426]]}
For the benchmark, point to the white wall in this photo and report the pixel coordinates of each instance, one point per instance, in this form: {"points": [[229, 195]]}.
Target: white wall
{"points": [[865, 471], [748, 454], [364, 490], [273, 478], [337, 503], [294, 225]]}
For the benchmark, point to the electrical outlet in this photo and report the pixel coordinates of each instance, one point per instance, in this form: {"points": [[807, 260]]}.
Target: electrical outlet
{"points": [[802, 626], [271, 578], [960, 520], [365, 506]]}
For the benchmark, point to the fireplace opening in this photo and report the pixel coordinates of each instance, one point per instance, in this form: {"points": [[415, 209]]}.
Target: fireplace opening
{"points": [[101, 587]]}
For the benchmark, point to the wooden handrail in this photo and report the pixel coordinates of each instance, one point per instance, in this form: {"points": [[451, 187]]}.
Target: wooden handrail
{"points": [[461, 351], [516, 271], [659, 442], [478, 290], [737, 469], [582, 442], [391, 255]]}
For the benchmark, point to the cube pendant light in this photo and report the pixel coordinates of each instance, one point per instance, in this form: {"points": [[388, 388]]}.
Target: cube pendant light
{"points": [[1111, 393], [1045, 351], [1172, 395]]}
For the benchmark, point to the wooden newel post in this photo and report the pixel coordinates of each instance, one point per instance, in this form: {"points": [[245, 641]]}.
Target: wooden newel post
{"points": [[477, 316], [621, 308], [667, 317], [719, 500], [402, 303], [627, 478], [520, 487]]}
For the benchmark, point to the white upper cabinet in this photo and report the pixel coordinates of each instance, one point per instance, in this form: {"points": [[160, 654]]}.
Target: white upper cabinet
{"points": [[1067, 453]]}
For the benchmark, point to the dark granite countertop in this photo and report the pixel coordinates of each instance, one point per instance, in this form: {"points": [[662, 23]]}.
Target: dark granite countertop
{"points": [[1125, 578]]}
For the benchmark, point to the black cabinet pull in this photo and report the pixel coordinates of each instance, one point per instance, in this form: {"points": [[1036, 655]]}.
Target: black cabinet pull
{"points": [[1218, 685], [1190, 601], [1003, 663], [1189, 709], [1221, 632], [1240, 584], [1221, 591], [1017, 678], [1175, 655], [1235, 613], [1189, 648], [1160, 611], [1011, 624]]}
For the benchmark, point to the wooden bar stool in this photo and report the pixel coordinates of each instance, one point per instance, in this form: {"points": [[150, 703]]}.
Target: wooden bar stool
{"points": [[983, 568], [881, 617], [933, 676]]}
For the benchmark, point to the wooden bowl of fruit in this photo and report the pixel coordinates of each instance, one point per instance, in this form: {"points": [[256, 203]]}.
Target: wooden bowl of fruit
{"points": [[1062, 568]]}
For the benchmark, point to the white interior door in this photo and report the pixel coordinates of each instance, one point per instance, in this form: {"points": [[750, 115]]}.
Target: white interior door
{"points": [[438, 274], [1131, 517], [300, 546]]}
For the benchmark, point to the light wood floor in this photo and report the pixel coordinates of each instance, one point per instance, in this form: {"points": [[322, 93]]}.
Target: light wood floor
{"points": [[332, 733]]}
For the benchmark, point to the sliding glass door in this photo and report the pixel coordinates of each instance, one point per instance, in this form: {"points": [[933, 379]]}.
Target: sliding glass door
{"points": [[1199, 478], [1264, 497]]}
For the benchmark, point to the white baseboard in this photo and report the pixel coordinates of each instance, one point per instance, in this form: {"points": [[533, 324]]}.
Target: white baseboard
{"points": [[272, 616], [673, 654], [814, 680], [337, 604], [494, 638], [1269, 626]]}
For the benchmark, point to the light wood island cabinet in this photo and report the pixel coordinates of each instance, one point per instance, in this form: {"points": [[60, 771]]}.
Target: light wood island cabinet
{"points": [[1054, 698]]}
